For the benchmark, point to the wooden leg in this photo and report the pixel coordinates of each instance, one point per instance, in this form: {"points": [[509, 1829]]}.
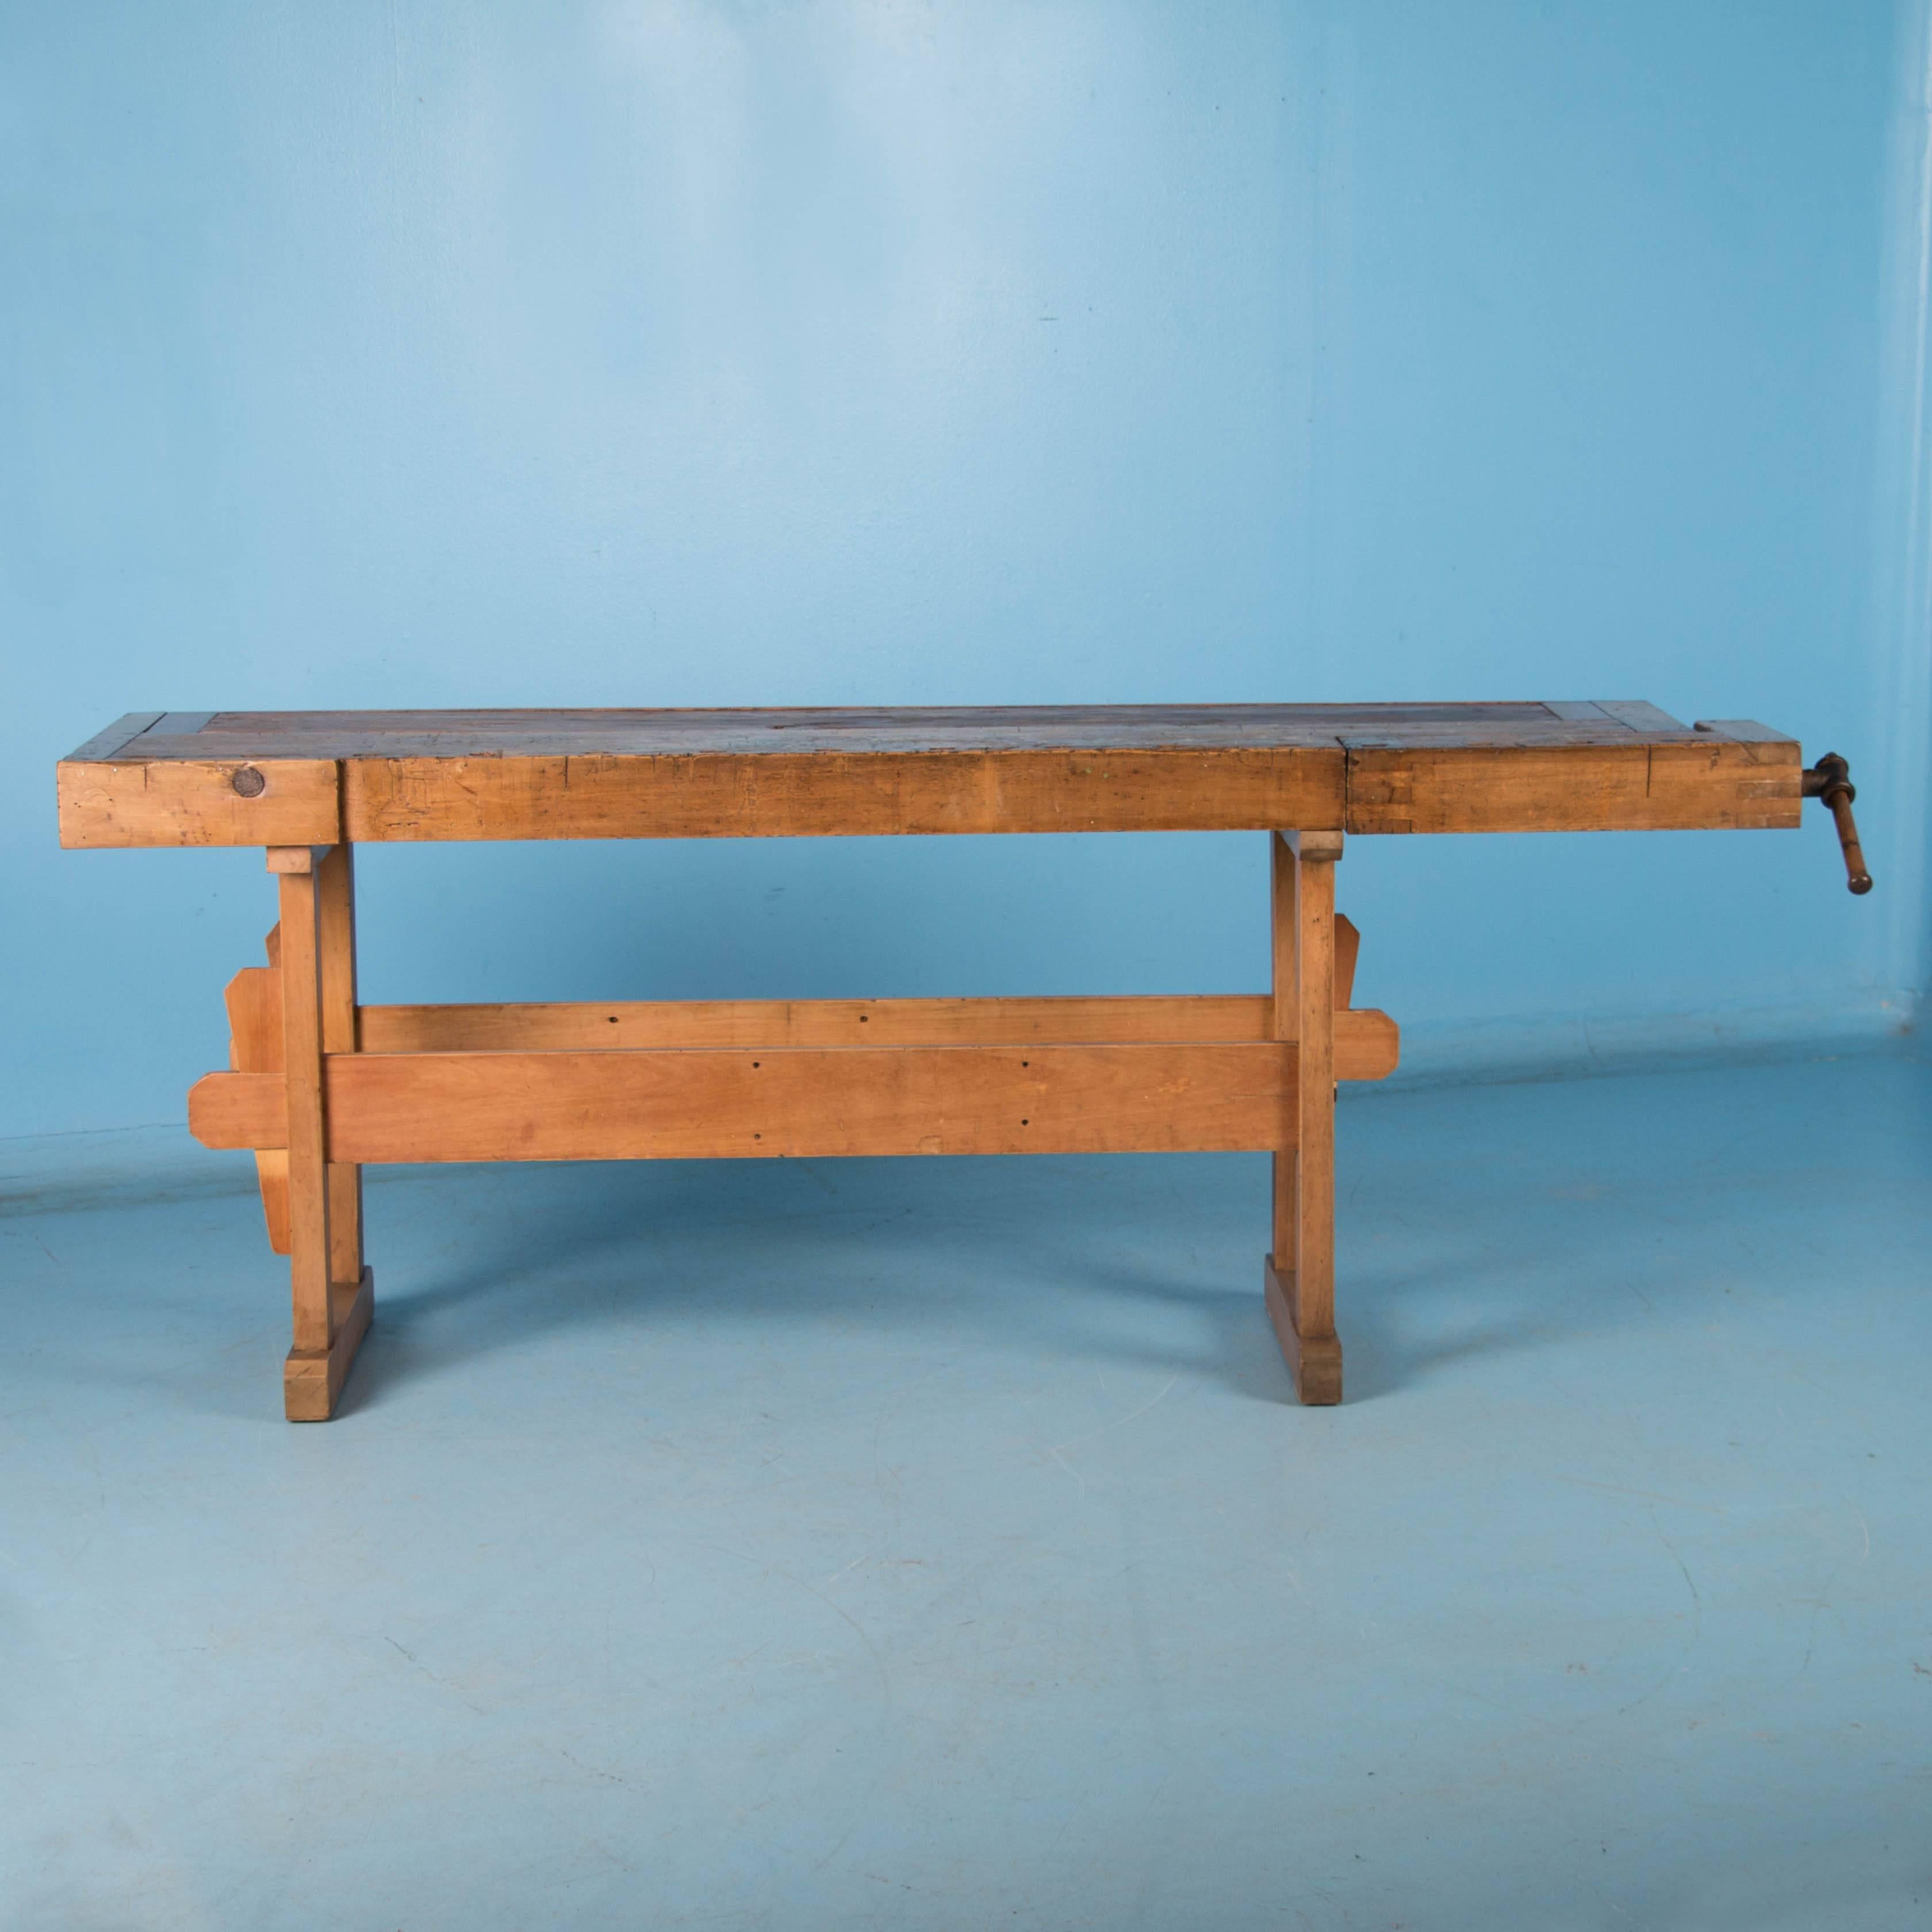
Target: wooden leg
{"points": [[1299, 1274], [335, 907], [331, 1316]]}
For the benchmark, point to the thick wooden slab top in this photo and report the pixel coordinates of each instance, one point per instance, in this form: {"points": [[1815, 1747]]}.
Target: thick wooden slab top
{"points": [[256, 778]]}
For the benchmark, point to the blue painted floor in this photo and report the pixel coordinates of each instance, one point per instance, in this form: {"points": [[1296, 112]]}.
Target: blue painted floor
{"points": [[932, 1544]]}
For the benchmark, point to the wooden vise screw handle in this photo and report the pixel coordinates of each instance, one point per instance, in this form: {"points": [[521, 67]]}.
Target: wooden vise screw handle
{"points": [[1830, 779]]}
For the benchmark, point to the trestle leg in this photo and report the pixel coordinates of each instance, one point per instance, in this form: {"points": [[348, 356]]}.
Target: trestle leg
{"points": [[1299, 1274], [332, 1292]]}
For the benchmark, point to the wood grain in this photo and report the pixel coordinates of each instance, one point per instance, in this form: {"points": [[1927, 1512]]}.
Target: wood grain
{"points": [[1348, 949], [686, 1104], [772, 794], [335, 940], [254, 1001], [1580, 765], [1706, 783], [115, 738], [167, 802], [298, 858], [1367, 1042], [1314, 914], [1284, 1020], [928, 1022], [305, 1127]]}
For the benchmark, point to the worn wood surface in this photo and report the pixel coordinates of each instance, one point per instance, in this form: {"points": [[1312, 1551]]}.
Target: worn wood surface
{"points": [[411, 776], [697, 1103], [1703, 782], [121, 733], [166, 802], [246, 736]]}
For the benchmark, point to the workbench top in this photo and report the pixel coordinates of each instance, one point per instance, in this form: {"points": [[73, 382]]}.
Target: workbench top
{"points": [[261, 778]]}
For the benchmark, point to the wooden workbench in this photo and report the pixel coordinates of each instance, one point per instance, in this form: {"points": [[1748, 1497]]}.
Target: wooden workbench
{"points": [[320, 1086]]}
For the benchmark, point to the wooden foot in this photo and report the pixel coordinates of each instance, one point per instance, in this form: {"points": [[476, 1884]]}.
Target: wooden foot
{"points": [[1315, 1361], [312, 1380]]}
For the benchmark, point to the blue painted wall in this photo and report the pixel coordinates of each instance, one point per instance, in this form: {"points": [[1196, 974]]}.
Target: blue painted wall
{"points": [[411, 354]]}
